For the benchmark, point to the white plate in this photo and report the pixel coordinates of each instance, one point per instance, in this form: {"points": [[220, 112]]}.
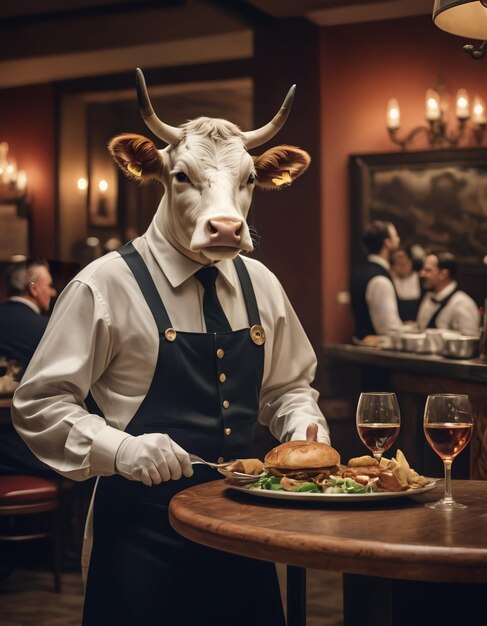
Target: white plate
{"points": [[333, 497]]}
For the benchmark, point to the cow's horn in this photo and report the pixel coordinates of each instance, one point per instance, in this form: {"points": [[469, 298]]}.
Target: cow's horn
{"points": [[264, 133], [169, 134]]}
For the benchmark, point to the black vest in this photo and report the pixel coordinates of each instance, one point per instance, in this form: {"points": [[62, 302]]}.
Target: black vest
{"points": [[358, 285]]}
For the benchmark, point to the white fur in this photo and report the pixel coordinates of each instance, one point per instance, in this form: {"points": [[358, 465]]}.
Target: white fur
{"points": [[212, 154]]}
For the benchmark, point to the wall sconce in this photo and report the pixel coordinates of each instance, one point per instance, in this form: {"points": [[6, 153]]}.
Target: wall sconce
{"points": [[102, 208], [13, 182], [437, 129], [466, 18], [102, 201], [82, 184]]}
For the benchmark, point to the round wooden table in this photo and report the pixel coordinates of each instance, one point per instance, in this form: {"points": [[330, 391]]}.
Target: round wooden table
{"points": [[378, 545]]}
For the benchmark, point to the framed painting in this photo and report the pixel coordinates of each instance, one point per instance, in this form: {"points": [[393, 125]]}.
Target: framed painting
{"points": [[437, 199]]}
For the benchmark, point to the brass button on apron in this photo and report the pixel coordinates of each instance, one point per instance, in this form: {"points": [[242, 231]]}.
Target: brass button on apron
{"points": [[226, 404], [170, 334], [228, 431], [220, 353], [257, 334], [222, 378]]}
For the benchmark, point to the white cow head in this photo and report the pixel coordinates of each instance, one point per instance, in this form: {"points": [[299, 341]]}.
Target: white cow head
{"points": [[208, 176]]}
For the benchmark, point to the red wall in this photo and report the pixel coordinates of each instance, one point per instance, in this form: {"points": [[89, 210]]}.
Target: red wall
{"points": [[27, 118], [363, 65]]}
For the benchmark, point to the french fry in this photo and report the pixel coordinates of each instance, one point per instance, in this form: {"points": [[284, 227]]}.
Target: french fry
{"points": [[405, 475]]}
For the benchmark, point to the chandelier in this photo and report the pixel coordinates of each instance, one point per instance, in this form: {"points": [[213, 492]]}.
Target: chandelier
{"points": [[467, 18], [469, 119], [13, 182]]}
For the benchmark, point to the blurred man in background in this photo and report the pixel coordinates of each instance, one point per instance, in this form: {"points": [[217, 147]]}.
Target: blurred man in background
{"points": [[445, 305], [373, 297], [23, 320], [22, 323]]}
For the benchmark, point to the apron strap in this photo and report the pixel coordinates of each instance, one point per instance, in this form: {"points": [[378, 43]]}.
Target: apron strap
{"points": [[248, 292], [153, 299], [443, 303], [142, 275]]}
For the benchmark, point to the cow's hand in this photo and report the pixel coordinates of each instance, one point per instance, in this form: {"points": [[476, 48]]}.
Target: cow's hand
{"points": [[312, 432], [152, 459]]}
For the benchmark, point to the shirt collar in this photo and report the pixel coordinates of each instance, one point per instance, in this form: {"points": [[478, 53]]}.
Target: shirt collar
{"points": [[444, 293], [30, 304], [375, 258], [178, 268]]}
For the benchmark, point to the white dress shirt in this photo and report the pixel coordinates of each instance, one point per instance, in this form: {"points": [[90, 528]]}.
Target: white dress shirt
{"points": [[381, 300], [409, 287], [102, 336], [460, 312]]}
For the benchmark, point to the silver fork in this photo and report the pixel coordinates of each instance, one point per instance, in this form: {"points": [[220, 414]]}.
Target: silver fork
{"points": [[197, 460]]}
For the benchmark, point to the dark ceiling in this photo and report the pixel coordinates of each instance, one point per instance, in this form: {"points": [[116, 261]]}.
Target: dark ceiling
{"points": [[25, 11], [46, 40]]}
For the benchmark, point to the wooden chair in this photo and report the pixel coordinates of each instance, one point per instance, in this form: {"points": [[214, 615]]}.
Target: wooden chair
{"points": [[30, 509]]}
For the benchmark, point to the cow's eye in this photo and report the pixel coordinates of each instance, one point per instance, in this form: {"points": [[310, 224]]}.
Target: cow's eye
{"points": [[251, 179], [181, 177]]}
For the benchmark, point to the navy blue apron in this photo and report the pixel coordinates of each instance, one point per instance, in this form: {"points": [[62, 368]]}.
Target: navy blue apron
{"points": [[205, 395]]}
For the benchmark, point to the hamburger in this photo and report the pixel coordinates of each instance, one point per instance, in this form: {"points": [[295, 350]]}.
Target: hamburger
{"points": [[303, 460]]}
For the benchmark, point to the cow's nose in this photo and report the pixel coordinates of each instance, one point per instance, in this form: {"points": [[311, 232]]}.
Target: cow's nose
{"points": [[225, 231]]}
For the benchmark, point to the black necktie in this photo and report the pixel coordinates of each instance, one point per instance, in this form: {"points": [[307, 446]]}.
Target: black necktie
{"points": [[215, 319]]}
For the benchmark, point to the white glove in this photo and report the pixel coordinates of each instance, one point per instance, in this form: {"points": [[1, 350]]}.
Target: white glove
{"points": [[152, 459]]}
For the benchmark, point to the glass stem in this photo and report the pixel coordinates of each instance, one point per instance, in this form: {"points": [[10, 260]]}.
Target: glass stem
{"points": [[448, 495]]}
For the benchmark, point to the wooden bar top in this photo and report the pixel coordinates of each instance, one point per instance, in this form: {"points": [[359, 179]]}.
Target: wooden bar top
{"points": [[429, 364], [398, 538]]}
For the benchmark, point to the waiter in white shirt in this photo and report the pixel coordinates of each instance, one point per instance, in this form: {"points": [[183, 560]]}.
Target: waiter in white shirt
{"points": [[101, 335], [186, 345], [445, 305], [373, 297]]}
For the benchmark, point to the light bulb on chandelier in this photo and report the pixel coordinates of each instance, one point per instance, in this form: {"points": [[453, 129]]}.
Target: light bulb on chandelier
{"points": [[13, 182], [469, 120]]}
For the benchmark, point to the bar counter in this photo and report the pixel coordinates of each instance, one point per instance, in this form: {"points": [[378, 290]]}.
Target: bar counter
{"points": [[412, 376], [430, 364]]}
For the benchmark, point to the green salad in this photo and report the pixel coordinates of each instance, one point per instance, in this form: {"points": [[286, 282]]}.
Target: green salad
{"points": [[329, 485]]}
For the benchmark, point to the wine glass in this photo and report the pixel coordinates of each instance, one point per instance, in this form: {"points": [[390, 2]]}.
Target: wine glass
{"points": [[378, 421], [448, 424]]}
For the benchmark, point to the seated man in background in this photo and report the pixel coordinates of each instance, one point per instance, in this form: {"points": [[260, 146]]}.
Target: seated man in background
{"points": [[445, 305], [22, 325], [29, 287], [407, 283], [373, 297]]}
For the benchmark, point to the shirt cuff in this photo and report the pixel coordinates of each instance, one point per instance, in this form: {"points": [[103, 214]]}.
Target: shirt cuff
{"points": [[104, 450]]}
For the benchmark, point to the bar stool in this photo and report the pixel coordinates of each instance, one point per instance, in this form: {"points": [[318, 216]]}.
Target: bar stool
{"points": [[37, 498]]}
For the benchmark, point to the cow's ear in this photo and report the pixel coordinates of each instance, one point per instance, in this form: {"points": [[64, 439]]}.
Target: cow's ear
{"points": [[278, 167], [136, 156]]}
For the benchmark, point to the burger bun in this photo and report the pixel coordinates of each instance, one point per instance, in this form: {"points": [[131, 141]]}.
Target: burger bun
{"points": [[302, 455]]}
